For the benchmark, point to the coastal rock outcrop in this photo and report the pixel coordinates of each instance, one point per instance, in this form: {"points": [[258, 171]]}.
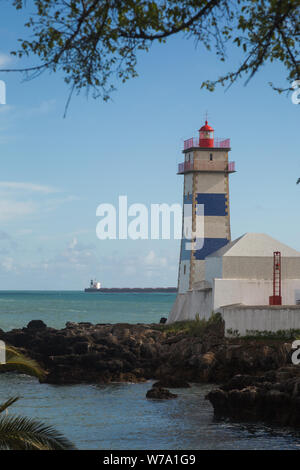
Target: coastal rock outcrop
{"points": [[273, 397], [159, 393], [258, 380], [171, 382], [87, 353], [36, 324]]}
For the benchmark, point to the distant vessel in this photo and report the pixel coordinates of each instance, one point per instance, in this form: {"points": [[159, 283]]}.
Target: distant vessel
{"points": [[94, 286]]}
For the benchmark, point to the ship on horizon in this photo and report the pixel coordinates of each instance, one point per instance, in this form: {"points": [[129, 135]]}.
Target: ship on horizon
{"points": [[95, 286]]}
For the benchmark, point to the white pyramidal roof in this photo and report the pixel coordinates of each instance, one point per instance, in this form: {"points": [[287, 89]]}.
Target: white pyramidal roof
{"points": [[255, 244]]}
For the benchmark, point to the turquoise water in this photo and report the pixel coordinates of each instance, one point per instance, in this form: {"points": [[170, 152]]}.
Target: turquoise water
{"points": [[56, 308], [118, 416]]}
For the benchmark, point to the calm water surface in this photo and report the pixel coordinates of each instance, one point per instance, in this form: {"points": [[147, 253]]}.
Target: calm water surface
{"points": [[55, 308], [118, 416]]}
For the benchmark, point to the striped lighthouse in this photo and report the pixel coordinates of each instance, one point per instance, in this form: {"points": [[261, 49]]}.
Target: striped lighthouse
{"points": [[206, 209]]}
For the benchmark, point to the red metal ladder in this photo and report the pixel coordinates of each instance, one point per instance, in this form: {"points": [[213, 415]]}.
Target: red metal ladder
{"points": [[276, 298]]}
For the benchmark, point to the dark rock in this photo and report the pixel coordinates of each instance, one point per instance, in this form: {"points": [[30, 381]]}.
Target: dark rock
{"points": [[36, 325], [131, 378], [163, 320], [81, 347], [175, 339], [159, 393], [148, 350], [253, 398], [71, 324], [171, 382], [139, 373]]}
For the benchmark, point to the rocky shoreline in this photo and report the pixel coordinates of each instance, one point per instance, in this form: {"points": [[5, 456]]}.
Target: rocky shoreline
{"points": [[256, 378], [273, 397]]}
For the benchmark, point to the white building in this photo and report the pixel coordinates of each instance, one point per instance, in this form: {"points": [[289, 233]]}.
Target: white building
{"points": [[234, 278], [238, 283]]}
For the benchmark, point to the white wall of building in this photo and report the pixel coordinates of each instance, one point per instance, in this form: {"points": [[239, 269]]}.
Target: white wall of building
{"points": [[251, 292], [259, 267], [231, 292], [190, 304], [246, 319]]}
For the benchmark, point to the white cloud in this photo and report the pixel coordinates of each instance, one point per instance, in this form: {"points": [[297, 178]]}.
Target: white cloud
{"points": [[44, 107], [74, 264], [10, 116], [53, 203], [4, 59], [19, 198], [24, 231], [5, 109], [12, 209], [154, 268], [76, 255], [150, 257], [15, 112], [153, 260], [7, 264], [73, 243], [31, 187]]}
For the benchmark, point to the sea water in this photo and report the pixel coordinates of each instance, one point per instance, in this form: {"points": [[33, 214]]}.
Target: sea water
{"points": [[56, 308], [118, 416]]}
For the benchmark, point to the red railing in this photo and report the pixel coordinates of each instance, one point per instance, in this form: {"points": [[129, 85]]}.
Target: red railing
{"points": [[194, 142], [202, 165]]}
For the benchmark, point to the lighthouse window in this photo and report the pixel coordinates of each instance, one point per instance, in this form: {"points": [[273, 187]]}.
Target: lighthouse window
{"points": [[211, 157], [184, 269]]}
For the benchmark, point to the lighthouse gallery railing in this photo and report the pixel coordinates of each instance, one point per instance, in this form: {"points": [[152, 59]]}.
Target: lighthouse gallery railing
{"points": [[200, 165], [194, 142]]}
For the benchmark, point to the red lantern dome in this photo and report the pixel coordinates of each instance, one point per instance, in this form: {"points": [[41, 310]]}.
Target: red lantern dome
{"points": [[206, 136]]}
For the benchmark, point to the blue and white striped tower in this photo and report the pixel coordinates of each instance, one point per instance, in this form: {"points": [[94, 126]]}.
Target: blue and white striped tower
{"points": [[206, 188]]}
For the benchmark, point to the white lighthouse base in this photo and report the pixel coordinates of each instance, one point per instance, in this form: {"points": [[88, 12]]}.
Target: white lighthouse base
{"points": [[243, 304], [238, 283], [188, 306]]}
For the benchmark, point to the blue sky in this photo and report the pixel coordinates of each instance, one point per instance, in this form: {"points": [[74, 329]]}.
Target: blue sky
{"points": [[59, 170]]}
